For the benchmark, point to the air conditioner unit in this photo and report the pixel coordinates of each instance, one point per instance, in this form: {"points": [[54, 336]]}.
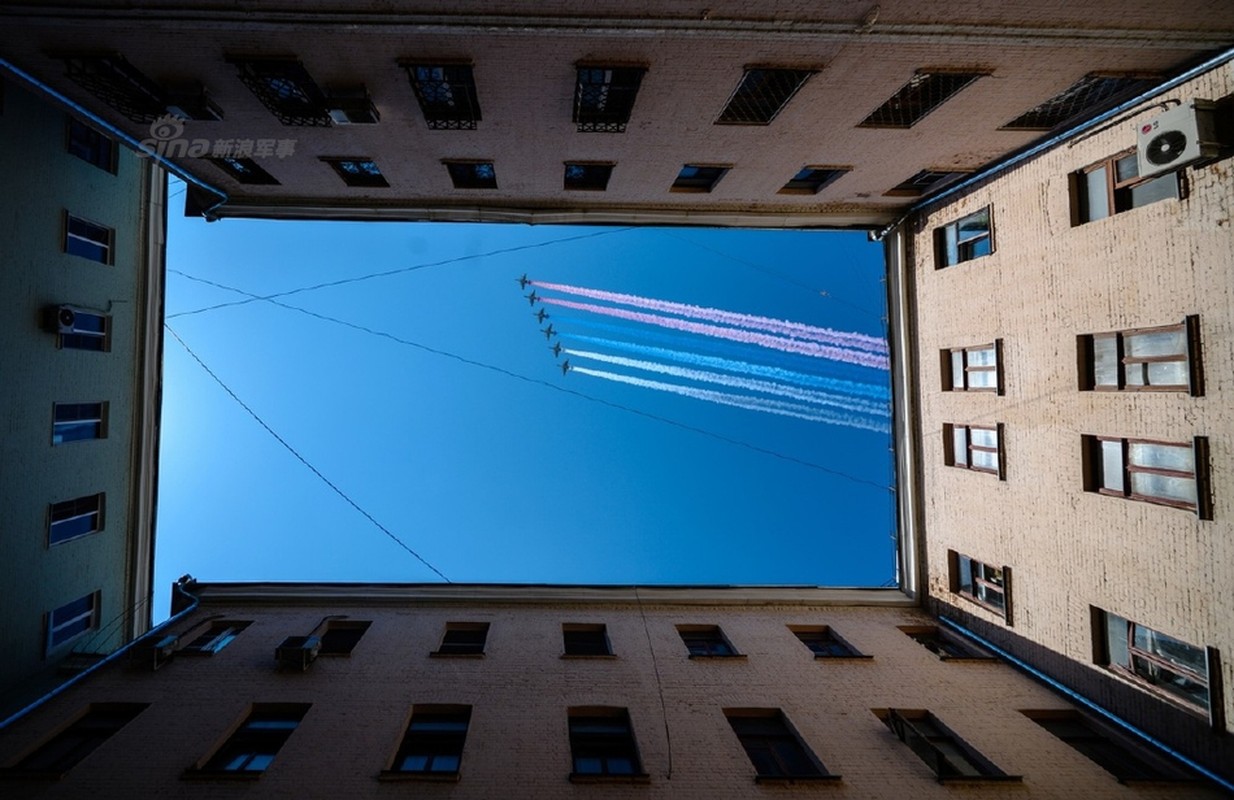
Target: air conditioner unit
{"points": [[59, 319], [1178, 137], [297, 652], [154, 653], [352, 107]]}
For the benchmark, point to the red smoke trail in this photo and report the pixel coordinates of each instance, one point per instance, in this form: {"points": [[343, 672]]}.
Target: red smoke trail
{"points": [[798, 330], [749, 337]]}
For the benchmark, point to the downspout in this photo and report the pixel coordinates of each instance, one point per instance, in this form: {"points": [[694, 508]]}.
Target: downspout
{"points": [[93, 668], [1058, 138], [1080, 699], [112, 130]]}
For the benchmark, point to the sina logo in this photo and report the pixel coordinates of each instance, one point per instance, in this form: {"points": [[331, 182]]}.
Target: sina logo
{"points": [[166, 128]]}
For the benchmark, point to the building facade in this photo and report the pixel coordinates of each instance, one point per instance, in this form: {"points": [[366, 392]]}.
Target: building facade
{"points": [[81, 291], [500, 691]]}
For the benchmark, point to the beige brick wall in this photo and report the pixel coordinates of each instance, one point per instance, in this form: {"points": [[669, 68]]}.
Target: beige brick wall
{"points": [[1046, 283]]}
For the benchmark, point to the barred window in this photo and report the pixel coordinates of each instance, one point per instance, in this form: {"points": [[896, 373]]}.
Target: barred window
{"points": [[762, 94], [446, 94], [923, 93], [1088, 94], [604, 97]]}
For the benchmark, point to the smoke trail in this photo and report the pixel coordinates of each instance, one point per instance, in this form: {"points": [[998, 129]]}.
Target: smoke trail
{"points": [[739, 335], [767, 387], [797, 330], [739, 401], [858, 390]]}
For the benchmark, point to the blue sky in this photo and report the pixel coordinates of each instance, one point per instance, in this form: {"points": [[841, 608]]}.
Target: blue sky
{"points": [[487, 476]]}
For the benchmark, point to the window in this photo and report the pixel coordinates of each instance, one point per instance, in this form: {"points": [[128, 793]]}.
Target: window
{"points": [[90, 146], [602, 743], [75, 422], [1111, 752], [1163, 359], [116, 82], [72, 619], [1113, 186], [67, 748], [773, 746], [974, 447], [472, 174], [79, 330], [214, 638], [588, 177], [284, 86], [252, 748], [946, 754], [74, 518], [924, 92], [1160, 663], [1087, 94], [446, 94], [463, 639], [1170, 474], [341, 636], [88, 240], [944, 645], [705, 641], [968, 238], [698, 178], [812, 180], [245, 170], [973, 369], [823, 643], [585, 640], [433, 744], [923, 182], [984, 585], [762, 94], [357, 172], [604, 97]]}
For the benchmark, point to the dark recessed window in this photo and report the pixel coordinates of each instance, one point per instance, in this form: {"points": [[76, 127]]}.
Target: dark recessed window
{"points": [[924, 92], [823, 642], [252, 748], [1113, 185], [61, 752], [116, 82], [697, 178], [245, 170], [945, 753], [72, 619], [284, 86], [585, 640], [762, 94], [774, 748], [973, 369], [73, 518], [602, 743], [88, 240], [1121, 758], [76, 422], [214, 638], [433, 744], [341, 636], [472, 174], [91, 146], [447, 95], [357, 172], [944, 645], [1166, 473], [705, 640], [923, 182], [463, 639], [975, 447], [589, 177], [1158, 359], [812, 180], [984, 584], [604, 97], [1088, 94]]}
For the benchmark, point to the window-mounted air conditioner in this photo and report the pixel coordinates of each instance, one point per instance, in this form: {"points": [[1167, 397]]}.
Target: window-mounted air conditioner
{"points": [[59, 319], [297, 652], [1181, 136], [154, 653]]}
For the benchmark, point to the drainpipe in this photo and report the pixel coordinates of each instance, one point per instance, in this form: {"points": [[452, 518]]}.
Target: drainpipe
{"points": [[1080, 699], [81, 676], [97, 121]]}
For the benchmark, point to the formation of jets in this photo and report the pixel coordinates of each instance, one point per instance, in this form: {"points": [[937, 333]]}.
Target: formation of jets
{"points": [[541, 315]]}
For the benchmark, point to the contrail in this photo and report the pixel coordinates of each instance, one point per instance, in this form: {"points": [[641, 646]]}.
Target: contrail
{"points": [[860, 390], [767, 387], [740, 401], [797, 330], [749, 337]]}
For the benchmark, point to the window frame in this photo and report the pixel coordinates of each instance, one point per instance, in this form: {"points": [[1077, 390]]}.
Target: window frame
{"points": [[751, 90], [108, 247], [944, 644], [97, 419], [622, 95], [917, 185], [343, 648], [299, 101], [590, 181], [1086, 350], [950, 457], [92, 728], [219, 634], [694, 184], [1093, 97], [449, 742], [1107, 749], [825, 635], [949, 368], [1119, 197], [709, 648], [98, 149], [964, 247], [361, 178], [770, 745], [463, 649], [813, 184], [603, 746], [252, 174], [90, 507], [1094, 472], [462, 111], [975, 595], [249, 740], [906, 96], [579, 649], [902, 722], [81, 336], [90, 616], [462, 179]]}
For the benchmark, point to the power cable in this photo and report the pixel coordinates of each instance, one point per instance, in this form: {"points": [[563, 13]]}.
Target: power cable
{"points": [[540, 382], [655, 667], [400, 271], [302, 459]]}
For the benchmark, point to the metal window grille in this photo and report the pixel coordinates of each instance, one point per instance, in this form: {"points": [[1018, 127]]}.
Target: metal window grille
{"points": [[284, 86], [761, 95], [447, 95], [924, 92], [604, 98], [116, 82], [1085, 95]]}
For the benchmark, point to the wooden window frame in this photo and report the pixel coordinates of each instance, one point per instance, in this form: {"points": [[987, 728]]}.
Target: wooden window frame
{"points": [[1192, 355], [1095, 481], [770, 744], [1004, 590], [948, 368], [1117, 196], [942, 258], [949, 454]]}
